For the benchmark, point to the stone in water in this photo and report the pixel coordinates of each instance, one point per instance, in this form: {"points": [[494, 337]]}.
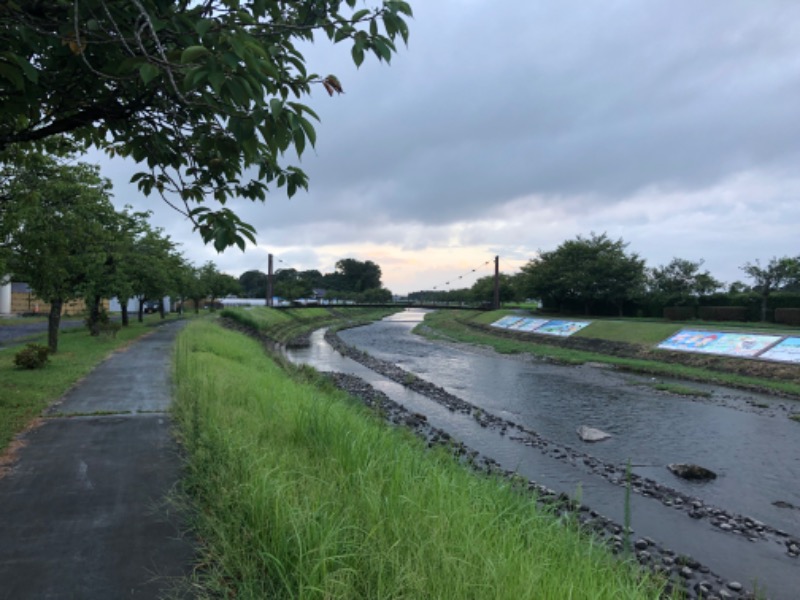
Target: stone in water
{"points": [[590, 434]]}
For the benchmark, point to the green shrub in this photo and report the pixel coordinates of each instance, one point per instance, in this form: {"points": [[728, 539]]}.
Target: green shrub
{"points": [[679, 313], [32, 356], [787, 316], [723, 313]]}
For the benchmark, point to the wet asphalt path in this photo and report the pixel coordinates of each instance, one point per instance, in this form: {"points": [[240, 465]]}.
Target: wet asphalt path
{"points": [[83, 511]]}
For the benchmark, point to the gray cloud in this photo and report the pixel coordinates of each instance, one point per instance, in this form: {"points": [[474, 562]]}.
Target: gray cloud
{"points": [[516, 125]]}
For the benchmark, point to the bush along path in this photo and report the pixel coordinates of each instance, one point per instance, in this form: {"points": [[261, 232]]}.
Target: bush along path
{"points": [[686, 573]]}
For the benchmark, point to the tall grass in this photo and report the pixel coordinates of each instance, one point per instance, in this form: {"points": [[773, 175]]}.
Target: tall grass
{"points": [[300, 493]]}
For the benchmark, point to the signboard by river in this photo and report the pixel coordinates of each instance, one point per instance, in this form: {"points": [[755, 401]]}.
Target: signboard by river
{"points": [[717, 342], [543, 326], [786, 351], [746, 345]]}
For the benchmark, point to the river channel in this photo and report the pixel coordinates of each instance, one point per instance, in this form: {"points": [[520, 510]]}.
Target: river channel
{"points": [[747, 439]]}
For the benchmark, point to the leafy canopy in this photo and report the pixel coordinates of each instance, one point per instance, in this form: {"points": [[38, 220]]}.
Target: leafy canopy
{"points": [[202, 94], [681, 280], [586, 270]]}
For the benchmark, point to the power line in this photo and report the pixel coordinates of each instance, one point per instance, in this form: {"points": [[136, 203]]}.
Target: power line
{"points": [[466, 274]]}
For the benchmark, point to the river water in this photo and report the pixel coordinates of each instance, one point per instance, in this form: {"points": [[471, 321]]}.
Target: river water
{"points": [[755, 454]]}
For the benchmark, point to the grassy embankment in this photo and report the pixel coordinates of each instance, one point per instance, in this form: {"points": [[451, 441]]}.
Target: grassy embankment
{"points": [[645, 334], [26, 393], [283, 325], [300, 492]]}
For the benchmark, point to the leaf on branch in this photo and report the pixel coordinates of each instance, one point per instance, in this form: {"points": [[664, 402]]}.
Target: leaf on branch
{"points": [[148, 72], [331, 84], [193, 53]]}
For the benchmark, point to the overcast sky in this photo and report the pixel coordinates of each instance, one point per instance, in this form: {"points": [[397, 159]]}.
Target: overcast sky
{"points": [[510, 126]]}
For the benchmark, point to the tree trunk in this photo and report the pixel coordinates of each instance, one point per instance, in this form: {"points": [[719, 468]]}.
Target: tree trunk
{"points": [[94, 315], [53, 323], [141, 309], [161, 308], [123, 303]]}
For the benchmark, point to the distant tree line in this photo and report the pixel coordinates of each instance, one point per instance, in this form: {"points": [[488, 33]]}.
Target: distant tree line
{"points": [[60, 233], [352, 280], [597, 275]]}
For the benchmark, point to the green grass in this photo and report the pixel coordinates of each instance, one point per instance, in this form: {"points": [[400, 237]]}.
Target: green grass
{"points": [[445, 325], [26, 393], [301, 493], [680, 390], [631, 332], [282, 325]]}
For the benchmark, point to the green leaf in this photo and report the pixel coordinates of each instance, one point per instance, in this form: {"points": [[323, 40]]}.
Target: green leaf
{"points": [[358, 54], [276, 107], [382, 50], [193, 53], [202, 26], [12, 74], [148, 72], [308, 128]]}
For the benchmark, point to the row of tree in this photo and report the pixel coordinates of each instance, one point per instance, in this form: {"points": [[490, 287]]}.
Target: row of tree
{"points": [[594, 273], [60, 233], [351, 280]]}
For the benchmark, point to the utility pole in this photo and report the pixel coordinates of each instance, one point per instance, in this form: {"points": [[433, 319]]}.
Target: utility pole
{"points": [[269, 281], [496, 303]]}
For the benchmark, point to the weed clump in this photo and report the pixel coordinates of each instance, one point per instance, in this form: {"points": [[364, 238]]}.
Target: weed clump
{"points": [[32, 356]]}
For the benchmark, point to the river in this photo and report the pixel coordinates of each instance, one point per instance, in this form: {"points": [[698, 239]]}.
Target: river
{"points": [[746, 439]]}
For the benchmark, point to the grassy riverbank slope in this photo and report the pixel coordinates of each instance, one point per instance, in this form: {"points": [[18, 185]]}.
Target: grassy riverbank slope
{"points": [[301, 492], [628, 344], [290, 325]]}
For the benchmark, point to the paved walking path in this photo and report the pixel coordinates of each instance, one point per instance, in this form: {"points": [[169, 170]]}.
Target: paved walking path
{"points": [[83, 512]]}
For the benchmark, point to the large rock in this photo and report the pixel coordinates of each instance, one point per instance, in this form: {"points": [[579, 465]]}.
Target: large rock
{"points": [[692, 472], [590, 434]]}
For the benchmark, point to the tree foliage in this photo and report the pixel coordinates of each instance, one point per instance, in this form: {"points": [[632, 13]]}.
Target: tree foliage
{"points": [[203, 95], [483, 289], [585, 270], [214, 284], [769, 278], [353, 275], [253, 284], [57, 220], [681, 281]]}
